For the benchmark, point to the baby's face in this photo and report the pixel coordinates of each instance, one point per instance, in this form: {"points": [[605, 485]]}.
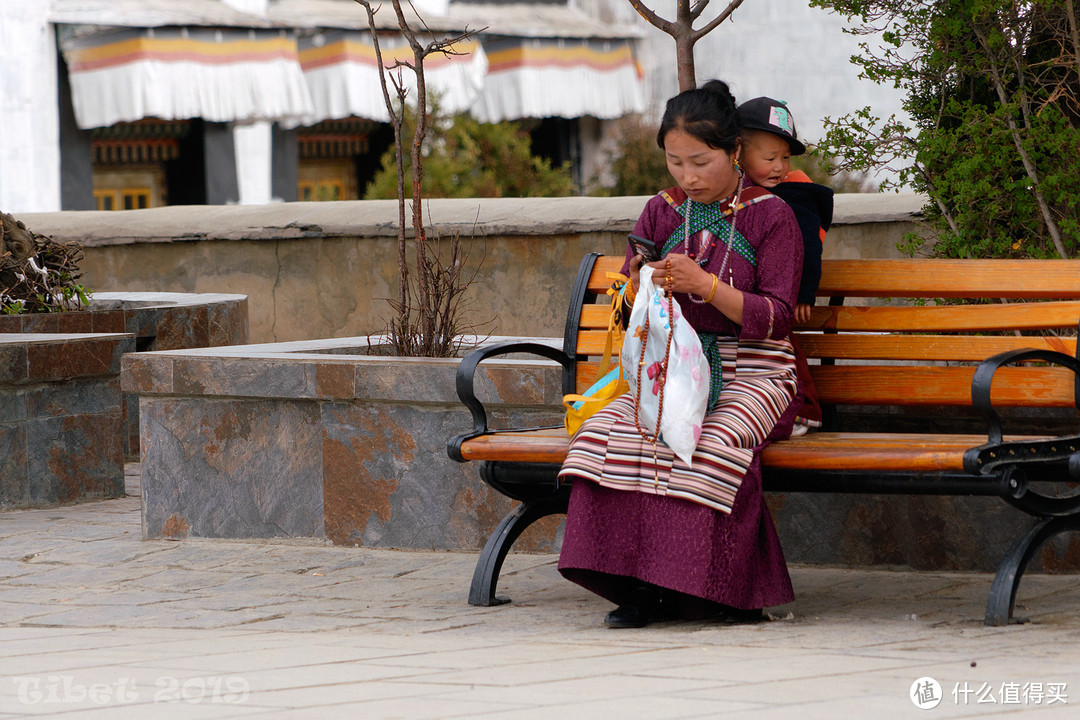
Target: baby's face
{"points": [[765, 158]]}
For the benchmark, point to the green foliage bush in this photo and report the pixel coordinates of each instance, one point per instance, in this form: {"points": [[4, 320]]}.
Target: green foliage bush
{"points": [[992, 88], [465, 158], [636, 164]]}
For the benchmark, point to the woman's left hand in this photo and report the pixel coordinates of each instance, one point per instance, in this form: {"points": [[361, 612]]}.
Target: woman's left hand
{"points": [[686, 275]]}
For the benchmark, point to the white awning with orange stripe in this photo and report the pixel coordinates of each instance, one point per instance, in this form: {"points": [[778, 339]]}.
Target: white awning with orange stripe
{"points": [[244, 75], [561, 77], [340, 69], [220, 75]]}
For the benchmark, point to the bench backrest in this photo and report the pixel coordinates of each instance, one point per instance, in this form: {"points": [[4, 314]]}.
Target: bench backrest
{"points": [[901, 332]]}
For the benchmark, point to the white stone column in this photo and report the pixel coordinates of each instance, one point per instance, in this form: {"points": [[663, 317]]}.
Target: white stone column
{"points": [[254, 146], [29, 122]]}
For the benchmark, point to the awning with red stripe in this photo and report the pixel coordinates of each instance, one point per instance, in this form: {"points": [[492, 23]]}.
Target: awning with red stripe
{"points": [[560, 77], [340, 71], [243, 75], [220, 75]]}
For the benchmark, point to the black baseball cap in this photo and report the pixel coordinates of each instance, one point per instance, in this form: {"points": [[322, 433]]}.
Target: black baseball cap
{"points": [[771, 116]]}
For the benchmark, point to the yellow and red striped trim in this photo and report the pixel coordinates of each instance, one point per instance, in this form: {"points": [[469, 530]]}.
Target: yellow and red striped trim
{"points": [[551, 55], [362, 52], [181, 49]]}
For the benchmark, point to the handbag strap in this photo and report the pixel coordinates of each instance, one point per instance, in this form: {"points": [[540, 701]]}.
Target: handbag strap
{"points": [[662, 376], [617, 292]]}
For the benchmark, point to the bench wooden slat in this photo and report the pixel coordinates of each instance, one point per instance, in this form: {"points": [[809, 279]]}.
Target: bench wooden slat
{"points": [[870, 452], [540, 445], [974, 348], [938, 318], [1030, 279], [816, 451], [598, 280], [945, 318], [950, 278], [916, 385], [595, 317], [1049, 387]]}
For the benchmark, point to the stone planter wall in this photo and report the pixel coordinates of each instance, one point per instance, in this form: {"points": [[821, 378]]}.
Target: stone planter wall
{"points": [[61, 428], [324, 270], [317, 440], [157, 320]]}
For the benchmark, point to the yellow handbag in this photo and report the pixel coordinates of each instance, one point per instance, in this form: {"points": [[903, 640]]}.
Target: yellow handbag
{"points": [[611, 383]]}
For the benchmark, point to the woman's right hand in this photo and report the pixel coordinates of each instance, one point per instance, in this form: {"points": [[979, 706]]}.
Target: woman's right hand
{"points": [[635, 272]]}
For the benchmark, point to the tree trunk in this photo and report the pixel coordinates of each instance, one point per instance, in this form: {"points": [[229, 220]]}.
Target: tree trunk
{"points": [[684, 56]]}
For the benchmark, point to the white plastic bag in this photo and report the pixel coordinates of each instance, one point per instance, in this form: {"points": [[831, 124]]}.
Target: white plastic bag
{"points": [[686, 386]]}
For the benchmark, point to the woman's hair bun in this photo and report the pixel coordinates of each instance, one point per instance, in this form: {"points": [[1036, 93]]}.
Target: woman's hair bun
{"points": [[707, 113], [720, 88]]}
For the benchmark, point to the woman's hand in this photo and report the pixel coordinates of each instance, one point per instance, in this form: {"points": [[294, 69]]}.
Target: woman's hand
{"points": [[802, 313], [689, 277], [686, 275], [635, 272]]}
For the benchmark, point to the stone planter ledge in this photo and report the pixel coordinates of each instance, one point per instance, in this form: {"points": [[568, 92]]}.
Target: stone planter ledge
{"points": [[314, 439]]}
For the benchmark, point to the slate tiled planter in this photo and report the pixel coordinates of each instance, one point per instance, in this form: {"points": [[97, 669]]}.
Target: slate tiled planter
{"points": [[158, 321], [60, 418], [317, 440]]}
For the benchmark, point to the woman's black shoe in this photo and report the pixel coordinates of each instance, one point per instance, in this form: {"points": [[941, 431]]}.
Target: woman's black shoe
{"points": [[644, 608], [627, 616]]}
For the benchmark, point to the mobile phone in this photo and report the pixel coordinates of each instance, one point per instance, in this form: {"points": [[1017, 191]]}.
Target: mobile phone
{"points": [[644, 247]]}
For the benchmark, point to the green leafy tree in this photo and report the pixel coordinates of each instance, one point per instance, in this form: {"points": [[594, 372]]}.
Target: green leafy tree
{"points": [[992, 88], [466, 158], [822, 169]]}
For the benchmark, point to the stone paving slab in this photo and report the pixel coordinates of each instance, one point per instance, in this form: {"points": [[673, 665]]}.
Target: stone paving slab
{"points": [[97, 623]]}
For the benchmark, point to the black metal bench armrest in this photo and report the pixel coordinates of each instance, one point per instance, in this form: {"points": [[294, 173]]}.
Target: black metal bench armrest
{"points": [[986, 458], [466, 389]]}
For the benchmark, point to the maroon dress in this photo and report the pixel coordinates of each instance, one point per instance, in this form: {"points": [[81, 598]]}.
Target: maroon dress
{"points": [[616, 537]]}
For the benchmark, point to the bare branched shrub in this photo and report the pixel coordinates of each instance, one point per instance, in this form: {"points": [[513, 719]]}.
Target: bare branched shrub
{"points": [[428, 308], [37, 274]]}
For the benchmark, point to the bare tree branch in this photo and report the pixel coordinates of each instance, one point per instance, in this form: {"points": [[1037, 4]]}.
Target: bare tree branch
{"points": [[682, 30], [652, 18], [732, 7], [395, 123], [1025, 158], [430, 329], [1074, 35]]}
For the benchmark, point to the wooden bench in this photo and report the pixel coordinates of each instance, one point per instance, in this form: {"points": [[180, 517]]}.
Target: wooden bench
{"points": [[1006, 338]]}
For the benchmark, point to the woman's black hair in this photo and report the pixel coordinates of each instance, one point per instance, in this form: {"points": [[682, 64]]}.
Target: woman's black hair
{"points": [[707, 113]]}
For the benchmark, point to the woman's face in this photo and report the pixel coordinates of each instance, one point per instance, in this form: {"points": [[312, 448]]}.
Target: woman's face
{"points": [[706, 174]]}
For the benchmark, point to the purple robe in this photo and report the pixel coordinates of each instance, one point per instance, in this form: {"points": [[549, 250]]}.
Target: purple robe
{"points": [[616, 539]]}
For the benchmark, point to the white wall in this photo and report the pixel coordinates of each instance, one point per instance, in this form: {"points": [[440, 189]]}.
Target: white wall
{"points": [[780, 48], [256, 7], [29, 125]]}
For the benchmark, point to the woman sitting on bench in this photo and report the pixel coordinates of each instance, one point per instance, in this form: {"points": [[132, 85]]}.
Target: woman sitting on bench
{"points": [[658, 538]]}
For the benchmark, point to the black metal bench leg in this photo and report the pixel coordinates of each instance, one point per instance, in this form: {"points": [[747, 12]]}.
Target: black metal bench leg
{"points": [[486, 574], [999, 606]]}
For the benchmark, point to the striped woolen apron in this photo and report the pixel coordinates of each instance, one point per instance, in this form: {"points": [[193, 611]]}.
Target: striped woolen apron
{"points": [[759, 384]]}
